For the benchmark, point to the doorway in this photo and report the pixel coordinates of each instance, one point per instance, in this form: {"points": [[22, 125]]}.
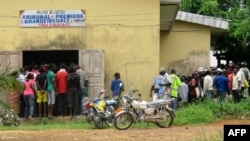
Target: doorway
{"points": [[50, 56]]}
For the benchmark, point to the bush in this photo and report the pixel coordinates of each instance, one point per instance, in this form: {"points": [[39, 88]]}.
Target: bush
{"points": [[204, 112]]}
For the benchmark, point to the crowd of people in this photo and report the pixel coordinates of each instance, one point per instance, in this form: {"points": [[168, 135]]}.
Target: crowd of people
{"points": [[220, 83], [51, 91]]}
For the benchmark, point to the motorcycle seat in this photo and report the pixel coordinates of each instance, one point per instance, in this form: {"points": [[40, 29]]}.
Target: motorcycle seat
{"points": [[158, 103]]}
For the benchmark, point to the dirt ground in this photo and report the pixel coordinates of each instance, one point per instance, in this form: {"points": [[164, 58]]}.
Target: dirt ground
{"points": [[174, 133]]}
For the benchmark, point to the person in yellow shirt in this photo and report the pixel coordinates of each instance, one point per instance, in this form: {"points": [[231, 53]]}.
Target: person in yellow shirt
{"points": [[176, 83]]}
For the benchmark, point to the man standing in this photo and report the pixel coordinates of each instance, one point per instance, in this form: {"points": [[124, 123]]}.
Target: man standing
{"points": [[117, 85], [221, 84], [51, 89], [236, 87], [74, 89], [84, 87], [246, 74], [42, 95], [183, 91], [208, 85], [159, 86], [176, 83], [61, 81]]}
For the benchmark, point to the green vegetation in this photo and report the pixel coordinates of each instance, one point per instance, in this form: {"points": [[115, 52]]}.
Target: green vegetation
{"points": [[194, 114], [8, 79], [208, 112], [236, 42]]}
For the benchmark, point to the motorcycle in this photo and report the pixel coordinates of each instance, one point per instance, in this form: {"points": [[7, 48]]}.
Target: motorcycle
{"points": [[101, 110], [7, 115], [136, 109]]}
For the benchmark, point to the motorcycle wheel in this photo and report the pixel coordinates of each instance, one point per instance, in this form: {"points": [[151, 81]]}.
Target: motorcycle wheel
{"points": [[123, 121], [89, 116], [15, 120], [168, 121], [6, 120], [109, 121], [97, 120], [17, 123]]}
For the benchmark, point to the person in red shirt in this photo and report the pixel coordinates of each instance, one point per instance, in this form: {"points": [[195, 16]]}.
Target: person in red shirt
{"points": [[61, 81], [230, 79]]}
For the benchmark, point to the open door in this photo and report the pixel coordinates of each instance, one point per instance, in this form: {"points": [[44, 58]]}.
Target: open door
{"points": [[92, 62]]}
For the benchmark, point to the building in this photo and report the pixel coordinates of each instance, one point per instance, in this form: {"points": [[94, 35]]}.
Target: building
{"points": [[132, 37]]}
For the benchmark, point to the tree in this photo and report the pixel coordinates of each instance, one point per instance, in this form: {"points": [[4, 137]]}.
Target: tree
{"points": [[236, 43]]}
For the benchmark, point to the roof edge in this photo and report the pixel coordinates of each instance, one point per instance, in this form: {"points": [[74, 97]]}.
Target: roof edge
{"points": [[170, 1], [203, 20]]}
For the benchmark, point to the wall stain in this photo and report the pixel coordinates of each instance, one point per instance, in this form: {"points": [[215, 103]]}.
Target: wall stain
{"points": [[60, 42], [194, 60]]}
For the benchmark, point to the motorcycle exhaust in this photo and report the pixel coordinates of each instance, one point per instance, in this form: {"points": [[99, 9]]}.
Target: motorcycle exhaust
{"points": [[155, 118]]}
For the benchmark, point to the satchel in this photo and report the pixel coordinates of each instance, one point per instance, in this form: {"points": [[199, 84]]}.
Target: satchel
{"points": [[199, 92], [246, 83]]}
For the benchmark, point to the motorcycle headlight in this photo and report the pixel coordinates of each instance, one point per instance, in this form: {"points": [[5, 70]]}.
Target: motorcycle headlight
{"points": [[124, 100]]}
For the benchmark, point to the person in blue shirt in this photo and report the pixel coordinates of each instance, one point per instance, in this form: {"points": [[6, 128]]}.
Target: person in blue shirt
{"points": [[221, 83], [117, 85]]}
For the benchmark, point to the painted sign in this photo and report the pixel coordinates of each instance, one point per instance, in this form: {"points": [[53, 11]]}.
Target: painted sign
{"points": [[52, 18]]}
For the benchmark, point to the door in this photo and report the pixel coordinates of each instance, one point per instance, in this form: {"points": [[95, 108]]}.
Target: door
{"points": [[11, 59], [92, 61]]}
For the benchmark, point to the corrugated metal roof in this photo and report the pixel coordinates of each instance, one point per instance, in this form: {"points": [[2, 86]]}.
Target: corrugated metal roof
{"points": [[170, 1], [203, 20]]}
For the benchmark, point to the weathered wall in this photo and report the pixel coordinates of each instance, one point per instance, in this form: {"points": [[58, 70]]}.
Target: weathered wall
{"points": [[128, 31], [186, 47]]}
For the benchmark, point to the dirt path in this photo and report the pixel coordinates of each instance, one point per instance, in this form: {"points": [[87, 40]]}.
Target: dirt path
{"points": [[183, 133]]}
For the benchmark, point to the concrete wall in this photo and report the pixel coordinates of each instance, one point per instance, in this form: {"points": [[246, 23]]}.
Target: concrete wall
{"points": [[128, 31], [186, 47]]}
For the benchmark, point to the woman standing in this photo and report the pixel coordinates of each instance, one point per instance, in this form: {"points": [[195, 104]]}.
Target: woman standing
{"points": [[29, 96]]}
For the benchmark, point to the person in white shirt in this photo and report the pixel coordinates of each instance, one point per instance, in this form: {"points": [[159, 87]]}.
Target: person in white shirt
{"points": [[236, 86], [208, 85], [158, 87], [21, 76], [183, 91], [246, 74]]}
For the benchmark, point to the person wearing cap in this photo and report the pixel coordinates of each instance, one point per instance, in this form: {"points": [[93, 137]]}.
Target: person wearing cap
{"points": [[221, 84], [169, 82], [159, 85]]}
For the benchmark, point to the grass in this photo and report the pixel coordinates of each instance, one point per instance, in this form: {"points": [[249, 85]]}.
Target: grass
{"points": [[194, 114], [56, 124], [208, 112]]}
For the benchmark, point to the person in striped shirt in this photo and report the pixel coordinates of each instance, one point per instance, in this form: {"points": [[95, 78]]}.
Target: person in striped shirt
{"points": [[84, 87]]}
